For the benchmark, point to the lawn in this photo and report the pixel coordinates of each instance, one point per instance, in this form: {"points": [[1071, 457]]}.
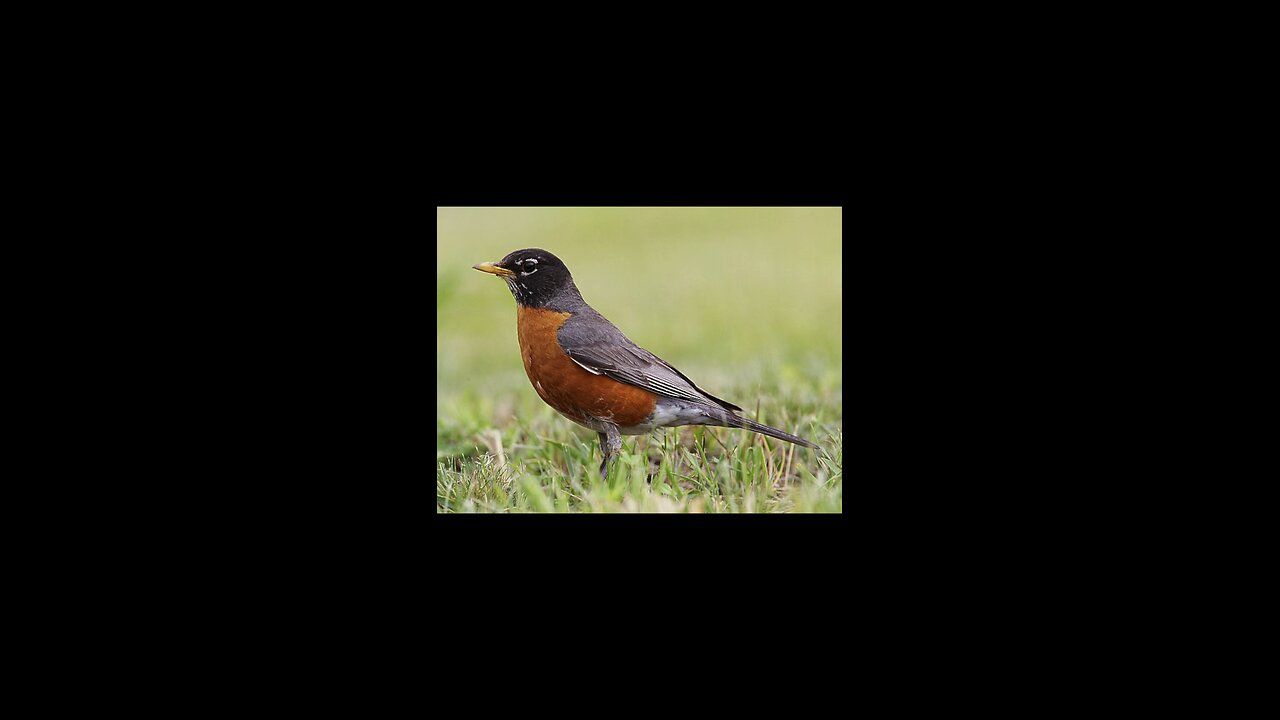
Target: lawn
{"points": [[744, 301]]}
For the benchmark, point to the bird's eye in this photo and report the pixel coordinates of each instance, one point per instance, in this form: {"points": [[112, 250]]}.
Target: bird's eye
{"points": [[530, 266]]}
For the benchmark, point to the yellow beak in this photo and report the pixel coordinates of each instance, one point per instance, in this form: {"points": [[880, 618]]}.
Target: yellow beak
{"points": [[494, 269]]}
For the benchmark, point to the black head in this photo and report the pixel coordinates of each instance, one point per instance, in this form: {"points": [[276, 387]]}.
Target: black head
{"points": [[536, 277]]}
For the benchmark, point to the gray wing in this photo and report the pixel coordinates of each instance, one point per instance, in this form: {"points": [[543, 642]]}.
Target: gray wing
{"points": [[600, 348]]}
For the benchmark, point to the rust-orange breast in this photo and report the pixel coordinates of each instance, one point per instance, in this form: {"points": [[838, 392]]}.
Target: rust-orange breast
{"points": [[564, 385]]}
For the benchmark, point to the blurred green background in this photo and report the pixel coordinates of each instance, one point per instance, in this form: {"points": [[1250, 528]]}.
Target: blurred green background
{"points": [[744, 301]]}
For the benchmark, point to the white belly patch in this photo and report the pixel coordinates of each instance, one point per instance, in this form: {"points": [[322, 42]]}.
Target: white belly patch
{"points": [[669, 413]]}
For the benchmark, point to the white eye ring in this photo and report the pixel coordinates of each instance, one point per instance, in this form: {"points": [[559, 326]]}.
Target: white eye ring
{"points": [[526, 263]]}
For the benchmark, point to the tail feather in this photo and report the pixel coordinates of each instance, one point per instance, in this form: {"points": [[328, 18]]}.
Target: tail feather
{"points": [[754, 426]]}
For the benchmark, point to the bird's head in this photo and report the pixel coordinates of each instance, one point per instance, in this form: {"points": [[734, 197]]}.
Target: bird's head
{"points": [[534, 275]]}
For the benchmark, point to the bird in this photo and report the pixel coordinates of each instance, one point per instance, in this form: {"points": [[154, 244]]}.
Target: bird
{"points": [[582, 365]]}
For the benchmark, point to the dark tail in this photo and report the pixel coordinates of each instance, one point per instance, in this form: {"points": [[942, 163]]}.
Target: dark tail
{"points": [[753, 426]]}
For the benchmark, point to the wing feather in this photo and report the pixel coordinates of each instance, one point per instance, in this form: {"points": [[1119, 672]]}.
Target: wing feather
{"points": [[600, 348]]}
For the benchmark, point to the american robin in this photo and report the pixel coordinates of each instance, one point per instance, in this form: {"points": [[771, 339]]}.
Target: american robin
{"points": [[585, 368]]}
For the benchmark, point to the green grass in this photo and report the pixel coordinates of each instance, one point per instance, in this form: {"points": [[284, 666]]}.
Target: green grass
{"points": [[745, 301]]}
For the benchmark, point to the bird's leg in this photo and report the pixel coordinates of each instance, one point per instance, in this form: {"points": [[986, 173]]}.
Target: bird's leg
{"points": [[604, 459], [610, 445]]}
